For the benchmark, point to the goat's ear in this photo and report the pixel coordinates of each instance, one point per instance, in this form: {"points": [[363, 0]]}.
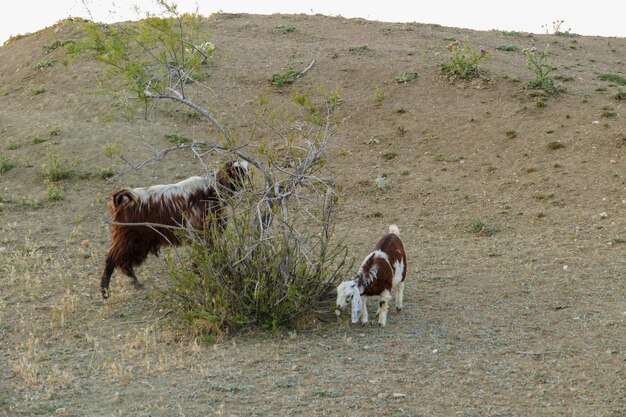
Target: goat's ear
{"points": [[356, 304]]}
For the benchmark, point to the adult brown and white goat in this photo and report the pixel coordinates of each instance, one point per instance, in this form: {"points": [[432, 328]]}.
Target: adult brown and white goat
{"points": [[191, 203], [382, 271]]}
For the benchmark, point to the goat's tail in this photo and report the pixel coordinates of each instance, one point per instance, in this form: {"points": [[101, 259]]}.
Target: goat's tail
{"points": [[394, 229], [118, 197]]}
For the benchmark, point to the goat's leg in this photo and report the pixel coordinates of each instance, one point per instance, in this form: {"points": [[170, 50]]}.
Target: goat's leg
{"points": [[363, 315], [128, 270], [385, 296], [109, 266], [399, 296]]}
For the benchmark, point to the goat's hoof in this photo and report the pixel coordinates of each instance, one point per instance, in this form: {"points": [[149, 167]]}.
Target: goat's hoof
{"points": [[105, 292], [138, 285]]}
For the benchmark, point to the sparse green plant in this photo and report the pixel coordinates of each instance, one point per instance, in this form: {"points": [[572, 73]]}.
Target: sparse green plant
{"points": [[55, 193], [608, 111], [614, 78], [464, 60], [390, 155], [31, 202], [5, 92], [361, 49], [479, 227], [511, 134], [405, 77], [374, 215], [541, 102], [178, 139], [54, 131], [282, 78], [56, 169], [556, 29], [45, 63], [444, 158], [554, 145], [6, 164], [38, 90], [379, 95], [430, 137], [112, 149], [508, 48], [618, 241], [385, 31], [544, 196], [374, 140], [565, 78], [49, 47], [108, 172], [284, 29], [37, 138], [538, 64], [491, 169]]}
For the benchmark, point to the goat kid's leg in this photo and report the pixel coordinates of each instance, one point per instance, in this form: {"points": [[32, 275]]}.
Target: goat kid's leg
{"points": [[399, 296], [109, 266], [383, 307], [363, 313]]}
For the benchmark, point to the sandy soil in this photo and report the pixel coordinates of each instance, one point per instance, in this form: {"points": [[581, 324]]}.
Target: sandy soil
{"points": [[528, 321]]}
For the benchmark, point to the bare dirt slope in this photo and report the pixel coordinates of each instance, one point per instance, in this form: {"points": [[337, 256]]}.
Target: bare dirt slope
{"points": [[528, 321]]}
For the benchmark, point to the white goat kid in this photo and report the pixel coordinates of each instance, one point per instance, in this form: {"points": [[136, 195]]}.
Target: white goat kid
{"points": [[382, 272]]}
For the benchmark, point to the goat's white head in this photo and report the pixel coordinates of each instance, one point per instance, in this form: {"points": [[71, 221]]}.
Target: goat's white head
{"points": [[348, 292]]}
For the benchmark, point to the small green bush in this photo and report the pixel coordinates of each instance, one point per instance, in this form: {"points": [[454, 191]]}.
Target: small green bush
{"points": [[464, 60], [284, 29], [479, 227], [45, 63], [178, 139], [614, 78], [238, 280], [361, 49], [55, 193], [405, 77], [108, 172], [390, 155], [6, 164], [554, 145], [280, 79], [56, 169], [537, 63]]}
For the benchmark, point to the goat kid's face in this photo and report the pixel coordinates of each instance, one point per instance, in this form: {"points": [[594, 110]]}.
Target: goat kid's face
{"points": [[345, 293], [348, 292]]}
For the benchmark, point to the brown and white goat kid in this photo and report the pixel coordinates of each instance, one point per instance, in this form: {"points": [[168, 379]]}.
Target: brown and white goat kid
{"points": [[382, 271], [191, 203]]}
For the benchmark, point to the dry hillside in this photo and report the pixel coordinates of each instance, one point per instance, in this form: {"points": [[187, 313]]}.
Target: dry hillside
{"points": [[526, 317]]}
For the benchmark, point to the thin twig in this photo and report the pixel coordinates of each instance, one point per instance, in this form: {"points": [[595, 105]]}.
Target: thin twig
{"points": [[301, 73]]}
